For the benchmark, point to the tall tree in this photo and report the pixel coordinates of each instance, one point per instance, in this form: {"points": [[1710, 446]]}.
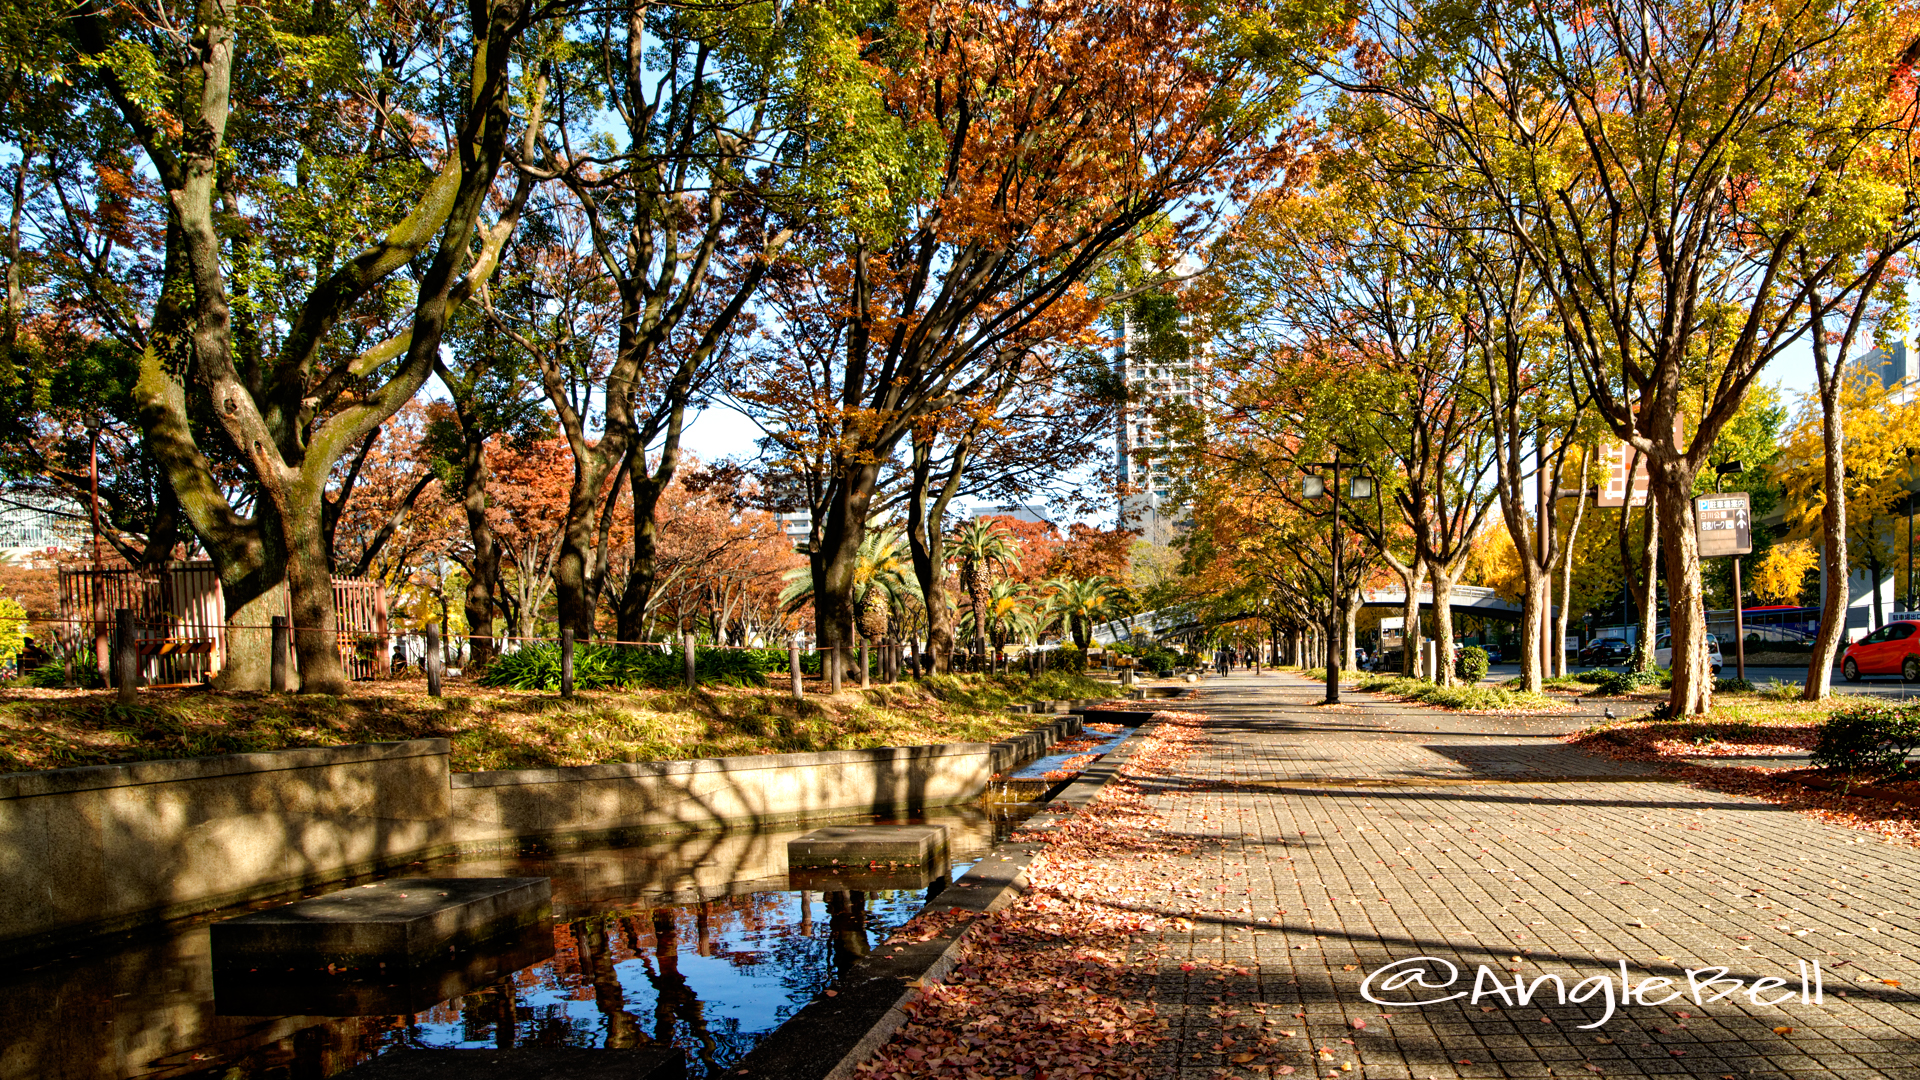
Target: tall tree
{"points": [[1656, 163], [319, 208], [1030, 152]]}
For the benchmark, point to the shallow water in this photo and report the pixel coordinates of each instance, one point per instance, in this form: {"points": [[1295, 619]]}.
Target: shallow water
{"points": [[1040, 767], [698, 942]]}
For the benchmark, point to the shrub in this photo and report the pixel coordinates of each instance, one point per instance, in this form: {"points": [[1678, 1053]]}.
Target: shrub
{"points": [[1871, 737], [1732, 686], [1615, 683], [53, 676], [595, 667], [1781, 690], [1471, 664]]}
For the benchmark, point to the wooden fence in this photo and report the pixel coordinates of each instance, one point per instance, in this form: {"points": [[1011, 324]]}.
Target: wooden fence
{"points": [[180, 617]]}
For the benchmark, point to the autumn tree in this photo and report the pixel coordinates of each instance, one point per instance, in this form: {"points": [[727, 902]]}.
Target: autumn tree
{"points": [[313, 208], [1033, 140], [491, 397], [678, 131], [1340, 318], [1882, 438], [1656, 164]]}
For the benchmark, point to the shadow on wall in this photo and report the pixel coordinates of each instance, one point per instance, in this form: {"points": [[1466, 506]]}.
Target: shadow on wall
{"points": [[108, 848]]}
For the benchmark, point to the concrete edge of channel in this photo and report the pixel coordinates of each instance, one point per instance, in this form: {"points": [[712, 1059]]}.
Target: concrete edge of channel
{"points": [[831, 1037]]}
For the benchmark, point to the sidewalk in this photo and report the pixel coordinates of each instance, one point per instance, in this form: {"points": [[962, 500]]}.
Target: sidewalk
{"points": [[1299, 850]]}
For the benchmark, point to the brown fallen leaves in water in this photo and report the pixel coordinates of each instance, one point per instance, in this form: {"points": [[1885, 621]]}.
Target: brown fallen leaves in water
{"points": [[1054, 985]]}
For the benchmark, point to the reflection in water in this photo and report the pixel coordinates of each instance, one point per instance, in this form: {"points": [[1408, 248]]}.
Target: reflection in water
{"points": [[847, 913], [698, 943]]}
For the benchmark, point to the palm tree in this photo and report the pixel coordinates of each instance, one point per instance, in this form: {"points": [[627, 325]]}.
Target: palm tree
{"points": [[1009, 612], [880, 582], [1082, 602], [979, 544]]}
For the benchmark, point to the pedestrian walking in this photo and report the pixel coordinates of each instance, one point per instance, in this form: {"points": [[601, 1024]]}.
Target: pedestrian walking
{"points": [[1224, 660]]}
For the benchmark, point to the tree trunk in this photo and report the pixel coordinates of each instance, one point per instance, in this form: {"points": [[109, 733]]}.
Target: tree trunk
{"points": [[837, 559], [1557, 663], [484, 569], [1410, 614], [1532, 618], [1835, 570], [310, 593], [1649, 599], [1443, 623], [927, 546], [1692, 693], [1350, 631], [643, 573]]}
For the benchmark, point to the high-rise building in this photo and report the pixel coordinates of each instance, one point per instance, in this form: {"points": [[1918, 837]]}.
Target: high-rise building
{"points": [[1893, 366], [32, 526], [1153, 380]]}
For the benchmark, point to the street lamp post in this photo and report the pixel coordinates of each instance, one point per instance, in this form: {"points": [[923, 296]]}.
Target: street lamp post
{"points": [[1312, 486], [1739, 601], [1912, 604]]}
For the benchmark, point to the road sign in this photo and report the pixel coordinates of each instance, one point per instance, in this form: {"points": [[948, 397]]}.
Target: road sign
{"points": [[1724, 524], [1619, 489]]}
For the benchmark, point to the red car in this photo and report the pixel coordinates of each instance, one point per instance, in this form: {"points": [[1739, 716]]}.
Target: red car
{"points": [[1894, 649]]}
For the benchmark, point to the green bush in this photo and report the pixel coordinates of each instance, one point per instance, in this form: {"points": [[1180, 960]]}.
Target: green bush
{"points": [[1781, 690], [1732, 686], [595, 667], [53, 676], [1615, 683], [1471, 664], [1871, 737], [1151, 656]]}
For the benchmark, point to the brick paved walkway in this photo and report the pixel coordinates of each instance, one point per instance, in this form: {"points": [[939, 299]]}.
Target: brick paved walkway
{"points": [[1331, 842]]}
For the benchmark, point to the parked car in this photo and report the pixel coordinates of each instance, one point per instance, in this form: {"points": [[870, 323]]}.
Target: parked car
{"points": [[1663, 652], [1606, 650], [1894, 649]]}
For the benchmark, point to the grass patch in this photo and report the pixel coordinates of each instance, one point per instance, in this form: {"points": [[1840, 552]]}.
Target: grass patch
{"points": [[491, 728], [1466, 698]]}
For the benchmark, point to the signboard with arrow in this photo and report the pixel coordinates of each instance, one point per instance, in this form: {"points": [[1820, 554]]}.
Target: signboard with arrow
{"points": [[1724, 524]]}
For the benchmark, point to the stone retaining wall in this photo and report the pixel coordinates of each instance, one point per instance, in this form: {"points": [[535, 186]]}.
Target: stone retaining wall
{"points": [[109, 848]]}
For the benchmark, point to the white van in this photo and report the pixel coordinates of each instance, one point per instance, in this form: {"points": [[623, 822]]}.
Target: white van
{"points": [[1663, 652]]}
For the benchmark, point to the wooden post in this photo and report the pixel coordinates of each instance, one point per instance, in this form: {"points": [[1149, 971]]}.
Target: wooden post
{"points": [[866, 677], [436, 660], [126, 656], [830, 663], [686, 648], [566, 661], [383, 644], [793, 665], [278, 662]]}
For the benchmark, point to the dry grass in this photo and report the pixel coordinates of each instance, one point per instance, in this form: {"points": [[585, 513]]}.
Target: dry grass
{"points": [[506, 729]]}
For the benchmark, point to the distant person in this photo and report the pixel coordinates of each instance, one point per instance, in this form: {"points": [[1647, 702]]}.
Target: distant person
{"points": [[1224, 660]]}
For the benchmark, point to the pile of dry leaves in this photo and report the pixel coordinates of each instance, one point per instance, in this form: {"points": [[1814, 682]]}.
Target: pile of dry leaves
{"points": [[1056, 985]]}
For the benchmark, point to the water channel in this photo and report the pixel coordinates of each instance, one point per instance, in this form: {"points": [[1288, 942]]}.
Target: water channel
{"points": [[700, 942]]}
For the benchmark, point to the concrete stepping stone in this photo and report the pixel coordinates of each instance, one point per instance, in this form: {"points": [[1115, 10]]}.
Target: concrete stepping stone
{"points": [[869, 845], [400, 921]]}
